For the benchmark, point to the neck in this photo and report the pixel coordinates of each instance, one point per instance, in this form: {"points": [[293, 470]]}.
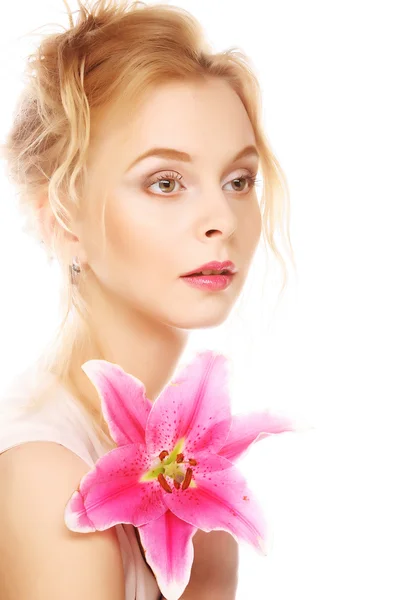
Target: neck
{"points": [[145, 348]]}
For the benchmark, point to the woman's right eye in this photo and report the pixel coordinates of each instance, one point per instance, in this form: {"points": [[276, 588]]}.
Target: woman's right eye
{"points": [[165, 179]]}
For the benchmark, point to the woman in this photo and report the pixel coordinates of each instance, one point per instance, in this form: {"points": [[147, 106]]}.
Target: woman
{"points": [[135, 150]]}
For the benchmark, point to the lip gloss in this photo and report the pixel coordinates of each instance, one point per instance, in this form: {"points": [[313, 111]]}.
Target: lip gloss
{"points": [[212, 283]]}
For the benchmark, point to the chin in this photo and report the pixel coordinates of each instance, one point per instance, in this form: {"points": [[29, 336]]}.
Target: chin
{"points": [[200, 319]]}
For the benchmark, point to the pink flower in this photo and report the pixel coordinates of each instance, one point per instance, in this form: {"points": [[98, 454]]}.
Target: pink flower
{"points": [[172, 472]]}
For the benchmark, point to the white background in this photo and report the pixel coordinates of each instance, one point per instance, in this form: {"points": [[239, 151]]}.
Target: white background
{"points": [[341, 103]]}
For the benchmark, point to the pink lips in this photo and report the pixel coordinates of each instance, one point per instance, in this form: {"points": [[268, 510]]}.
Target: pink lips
{"points": [[211, 283], [214, 266]]}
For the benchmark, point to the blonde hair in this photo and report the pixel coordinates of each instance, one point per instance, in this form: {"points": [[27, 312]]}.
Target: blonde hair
{"points": [[112, 56]]}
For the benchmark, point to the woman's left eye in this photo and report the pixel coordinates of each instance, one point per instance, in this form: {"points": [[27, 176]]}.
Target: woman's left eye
{"points": [[166, 178]]}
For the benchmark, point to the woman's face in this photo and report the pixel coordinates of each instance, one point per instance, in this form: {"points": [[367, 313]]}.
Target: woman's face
{"points": [[158, 230]]}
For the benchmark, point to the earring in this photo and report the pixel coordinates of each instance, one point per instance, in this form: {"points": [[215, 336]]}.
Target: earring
{"points": [[74, 269]]}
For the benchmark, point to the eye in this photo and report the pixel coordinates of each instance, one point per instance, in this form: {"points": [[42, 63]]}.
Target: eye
{"points": [[165, 179], [251, 181]]}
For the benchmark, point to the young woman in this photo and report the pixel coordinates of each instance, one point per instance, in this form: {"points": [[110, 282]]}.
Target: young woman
{"points": [[135, 151]]}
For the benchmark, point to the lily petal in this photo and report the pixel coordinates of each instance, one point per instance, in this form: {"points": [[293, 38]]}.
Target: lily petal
{"points": [[194, 406], [222, 500], [111, 493], [168, 549], [124, 402], [209, 463], [252, 427]]}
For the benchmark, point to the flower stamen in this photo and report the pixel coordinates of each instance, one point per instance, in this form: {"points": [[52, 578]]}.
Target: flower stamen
{"points": [[187, 479], [163, 483], [170, 466]]}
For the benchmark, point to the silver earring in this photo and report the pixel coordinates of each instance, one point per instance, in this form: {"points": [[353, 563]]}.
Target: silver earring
{"points": [[74, 270]]}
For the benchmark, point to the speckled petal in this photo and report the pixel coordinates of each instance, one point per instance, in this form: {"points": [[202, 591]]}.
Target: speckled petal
{"points": [[221, 500], [253, 427], [123, 398], [111, 493], [194, 406], [168, 548]]}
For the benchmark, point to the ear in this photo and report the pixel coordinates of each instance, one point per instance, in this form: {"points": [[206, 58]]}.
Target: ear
{"points": [[47, 222]]}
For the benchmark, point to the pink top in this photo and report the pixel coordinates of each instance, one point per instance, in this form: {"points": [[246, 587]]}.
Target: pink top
{"points": [[62, 419]]}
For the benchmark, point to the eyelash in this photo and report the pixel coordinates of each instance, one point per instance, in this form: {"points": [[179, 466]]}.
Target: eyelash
{"points": [[251, 179]]}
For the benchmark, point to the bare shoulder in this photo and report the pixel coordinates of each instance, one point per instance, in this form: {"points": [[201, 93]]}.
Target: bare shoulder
{"points": [[40, 558]]}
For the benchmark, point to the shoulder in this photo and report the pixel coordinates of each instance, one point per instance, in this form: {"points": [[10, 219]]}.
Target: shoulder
{"points": [[39, 556], [46, 411]]}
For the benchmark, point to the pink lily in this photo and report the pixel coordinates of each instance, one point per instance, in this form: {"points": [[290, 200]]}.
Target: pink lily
{"points": [[172, 471]]}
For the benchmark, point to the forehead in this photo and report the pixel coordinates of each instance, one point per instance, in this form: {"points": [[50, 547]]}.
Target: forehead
{"points": [[198, 117]]}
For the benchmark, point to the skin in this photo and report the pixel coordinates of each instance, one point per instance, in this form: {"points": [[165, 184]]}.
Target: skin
{"points": [[142, 311]]}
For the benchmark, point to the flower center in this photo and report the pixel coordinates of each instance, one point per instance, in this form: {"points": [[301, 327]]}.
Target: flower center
{"points": [[173, 466]]}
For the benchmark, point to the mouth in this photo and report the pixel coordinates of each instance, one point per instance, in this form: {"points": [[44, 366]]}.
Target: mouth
{"points": [[214, 282], [212, 268], [209, 273]]}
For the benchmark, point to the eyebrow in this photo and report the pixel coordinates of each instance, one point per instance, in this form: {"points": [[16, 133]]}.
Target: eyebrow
{"points": [[173, 154]]}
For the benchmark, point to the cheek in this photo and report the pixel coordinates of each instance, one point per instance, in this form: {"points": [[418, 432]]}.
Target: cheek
{"points": [[252, 226], [126, 229], [139, 244], [258, 221]]}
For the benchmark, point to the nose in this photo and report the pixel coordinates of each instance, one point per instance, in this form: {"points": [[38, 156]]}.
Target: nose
{"points": [[218, 217]]}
